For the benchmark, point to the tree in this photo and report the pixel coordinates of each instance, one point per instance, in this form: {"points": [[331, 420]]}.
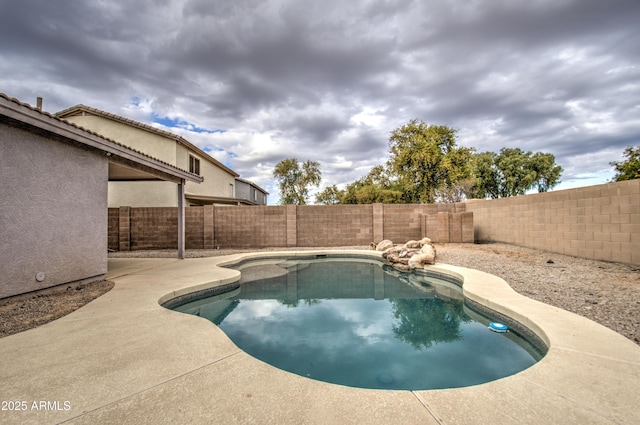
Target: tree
{"points": [[513, 172], [375, 187], [630, 168], [515, 176], [486, 176], [457, 192], [425, 158], [295, 179], [458, 183], [372, 194], [329, 196], [546, 172], [380, 177]]}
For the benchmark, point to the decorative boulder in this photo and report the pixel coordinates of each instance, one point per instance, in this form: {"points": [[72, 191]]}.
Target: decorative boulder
{"points": [[384, 245], [413, 244], [412, 255], [429, 250], [402, 267], [418, 261], [394, 259], [388, 251]]}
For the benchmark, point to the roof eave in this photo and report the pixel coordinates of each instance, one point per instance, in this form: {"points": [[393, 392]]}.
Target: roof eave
{"points": [[44, 121]]}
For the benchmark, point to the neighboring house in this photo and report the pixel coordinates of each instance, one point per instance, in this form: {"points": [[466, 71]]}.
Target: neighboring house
{"points": [[251, 192], [218, 186], [53, 198]]}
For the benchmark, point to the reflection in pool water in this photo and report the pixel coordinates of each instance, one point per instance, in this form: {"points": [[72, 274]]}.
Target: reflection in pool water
{"points": [[351, 323]]}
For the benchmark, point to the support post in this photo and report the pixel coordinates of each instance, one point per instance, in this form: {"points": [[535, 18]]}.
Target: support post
{"points": [[181, 219]]}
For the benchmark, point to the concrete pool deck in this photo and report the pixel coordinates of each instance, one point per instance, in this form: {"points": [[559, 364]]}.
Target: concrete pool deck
{"points": [[125, 359]]}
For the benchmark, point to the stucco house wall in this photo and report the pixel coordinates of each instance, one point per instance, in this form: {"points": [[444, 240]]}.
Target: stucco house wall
{"points": [[249, 191], [243, 190], [159, 144], [163, 148], [53, 203], [151, 194], [217, 181], [53, 198]]}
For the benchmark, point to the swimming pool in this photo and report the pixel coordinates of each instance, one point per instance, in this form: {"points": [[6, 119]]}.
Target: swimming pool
{"points": [[354, 322]]}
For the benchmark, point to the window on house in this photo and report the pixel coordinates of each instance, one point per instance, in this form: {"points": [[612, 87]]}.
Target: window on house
{"points": [[194, 165], [230, 190]]}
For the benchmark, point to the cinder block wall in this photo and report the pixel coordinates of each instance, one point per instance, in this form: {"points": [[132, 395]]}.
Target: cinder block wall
{"points": [[403, 222], [193, 228], [153, 228], [449, 227], [209, 227], [250, 227], [334, 225], [113, 229], [597, 222]]}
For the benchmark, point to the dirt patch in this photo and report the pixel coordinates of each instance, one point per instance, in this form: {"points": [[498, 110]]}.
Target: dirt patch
{"points": [[21, 315]]}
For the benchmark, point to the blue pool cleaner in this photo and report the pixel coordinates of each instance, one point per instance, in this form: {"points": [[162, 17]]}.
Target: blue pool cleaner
{"points": [[498, 327]]}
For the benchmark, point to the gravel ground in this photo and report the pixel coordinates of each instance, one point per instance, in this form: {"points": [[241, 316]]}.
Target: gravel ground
{"points": [[608, 293], [27, 313]]}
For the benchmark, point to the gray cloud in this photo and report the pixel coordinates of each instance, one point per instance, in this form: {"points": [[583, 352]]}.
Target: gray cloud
{"points": [[329, 80]]}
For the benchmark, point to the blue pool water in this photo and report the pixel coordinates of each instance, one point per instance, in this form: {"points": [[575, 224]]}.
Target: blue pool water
{"points": [[351, 322]]}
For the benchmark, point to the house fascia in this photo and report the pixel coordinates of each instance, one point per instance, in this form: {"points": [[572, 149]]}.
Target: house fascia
{"points": [[217, 200]]}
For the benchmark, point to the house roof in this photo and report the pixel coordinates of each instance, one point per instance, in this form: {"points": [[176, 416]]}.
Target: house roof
{"points": [[79, 109], [249, 182], [124, 163]]}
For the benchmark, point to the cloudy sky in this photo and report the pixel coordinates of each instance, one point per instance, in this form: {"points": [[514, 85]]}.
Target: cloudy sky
{"points": [[254, 82]]}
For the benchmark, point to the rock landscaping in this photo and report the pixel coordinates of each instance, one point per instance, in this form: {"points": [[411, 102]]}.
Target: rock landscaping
{"points": [[409, 256]]}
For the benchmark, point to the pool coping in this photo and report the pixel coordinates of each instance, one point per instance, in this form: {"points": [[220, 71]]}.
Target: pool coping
{"points": [[125, 356]]}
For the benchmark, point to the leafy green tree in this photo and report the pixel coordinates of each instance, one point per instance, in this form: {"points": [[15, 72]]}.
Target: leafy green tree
{"points": [[516, 177], [486, 176], [329, 196], [456, 192], [379, 176], [458, 183], [372, 194], [295, 179], [425, 165], [630, 168], [546, 172], [424, 158], [513, 172], [375, 187]]}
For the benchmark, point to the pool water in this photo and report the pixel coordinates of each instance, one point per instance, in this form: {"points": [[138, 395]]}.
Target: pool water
{"points": [[356, 323]]}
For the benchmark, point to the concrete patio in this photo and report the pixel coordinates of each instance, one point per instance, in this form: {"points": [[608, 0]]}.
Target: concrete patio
{"points": [[125, 359]]}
